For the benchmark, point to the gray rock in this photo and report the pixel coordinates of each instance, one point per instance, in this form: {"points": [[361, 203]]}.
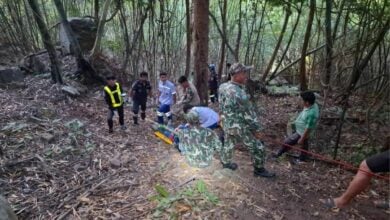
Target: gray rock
{"points": [[70, 90], [115, 162], [84, 30], [6, 212], [10, 75], [49, 138]]}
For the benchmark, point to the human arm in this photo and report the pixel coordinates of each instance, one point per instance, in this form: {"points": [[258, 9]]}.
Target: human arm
{"points": [[304, 136]]}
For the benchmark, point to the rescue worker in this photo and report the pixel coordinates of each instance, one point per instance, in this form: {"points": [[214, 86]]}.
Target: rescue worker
{"points": [[166, 98], [140, 90], [239, 121], [114, 100], [190, 94], [198, 143]]}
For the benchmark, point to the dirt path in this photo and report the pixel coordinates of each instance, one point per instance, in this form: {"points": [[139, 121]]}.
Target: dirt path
{"points": [[83, 172]]}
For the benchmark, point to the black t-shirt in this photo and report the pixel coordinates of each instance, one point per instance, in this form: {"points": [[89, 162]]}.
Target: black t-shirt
{"points": [[140, 90]]}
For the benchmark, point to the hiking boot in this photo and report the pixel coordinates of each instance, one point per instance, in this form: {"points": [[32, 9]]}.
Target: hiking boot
{"points": [[262, 172], [232, 166]]}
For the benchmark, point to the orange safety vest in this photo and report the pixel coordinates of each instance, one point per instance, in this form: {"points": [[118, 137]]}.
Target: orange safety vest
{"points": [[111, 94]]}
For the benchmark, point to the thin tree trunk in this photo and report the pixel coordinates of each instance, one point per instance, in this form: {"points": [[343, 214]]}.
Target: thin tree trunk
{"points": [[201, 30], [100, 30], [356, 73], [223, 43], [55, 67], [271, 61], [238, 39], [329, 42], [189, 38], [302, 68]]}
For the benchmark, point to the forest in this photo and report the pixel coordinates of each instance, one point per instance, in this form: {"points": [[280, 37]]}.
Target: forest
{"points": [[58, 160]]}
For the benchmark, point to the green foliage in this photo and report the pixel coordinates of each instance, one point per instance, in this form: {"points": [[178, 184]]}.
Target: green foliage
{"points": [[359, 153], [195, 199]]}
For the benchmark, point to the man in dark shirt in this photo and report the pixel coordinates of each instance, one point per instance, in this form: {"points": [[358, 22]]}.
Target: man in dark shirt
{"points": [[140, 90], [114, 100], [213, 84]]}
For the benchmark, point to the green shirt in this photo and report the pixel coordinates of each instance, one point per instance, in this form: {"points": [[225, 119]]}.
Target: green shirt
{"points": [[307, 119]]}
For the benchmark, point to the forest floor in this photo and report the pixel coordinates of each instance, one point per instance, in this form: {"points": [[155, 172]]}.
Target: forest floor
{"points": [[60, 162]]}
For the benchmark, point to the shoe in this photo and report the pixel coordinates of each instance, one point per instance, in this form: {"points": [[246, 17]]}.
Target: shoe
{"points": [[123, 127], [110, 130], [232, 166], [135, 119], [143, 116], [262, 172]]}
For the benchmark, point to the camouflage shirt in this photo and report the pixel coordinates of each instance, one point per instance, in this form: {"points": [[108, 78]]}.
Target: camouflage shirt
{"points": [[237, 111], [199, 145]]}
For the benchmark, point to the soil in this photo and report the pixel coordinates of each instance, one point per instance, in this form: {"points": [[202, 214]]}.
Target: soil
{"points": [[51, 169]]}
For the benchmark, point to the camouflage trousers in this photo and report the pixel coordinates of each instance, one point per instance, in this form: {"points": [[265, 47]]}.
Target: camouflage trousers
{"points": [[255, 147]]}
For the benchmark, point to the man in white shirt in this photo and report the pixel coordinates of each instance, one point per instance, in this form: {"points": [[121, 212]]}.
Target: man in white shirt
{"points": [[166, 98]]}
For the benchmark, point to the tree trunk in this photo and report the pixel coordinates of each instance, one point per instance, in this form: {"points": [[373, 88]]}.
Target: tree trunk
{"points": [[238, 40], [189, 38], [302, 68], [356, 73], [54, 64], [201, 40], [271, 61], [100, 30], [329, 42], [223, 43]]}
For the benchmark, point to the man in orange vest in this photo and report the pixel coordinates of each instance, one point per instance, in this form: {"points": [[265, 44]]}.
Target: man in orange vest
{"points": [[114, 100]]}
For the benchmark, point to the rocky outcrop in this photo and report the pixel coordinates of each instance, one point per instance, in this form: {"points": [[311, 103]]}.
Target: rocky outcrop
{"points": [[10, 75]]}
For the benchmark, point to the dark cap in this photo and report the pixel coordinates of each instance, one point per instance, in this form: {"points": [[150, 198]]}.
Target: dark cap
{"points": [[238, 67]]}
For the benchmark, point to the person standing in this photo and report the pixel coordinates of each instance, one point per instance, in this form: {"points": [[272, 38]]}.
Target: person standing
{"points": [[190, 94], [239, 121], [114, 100], [166, 98], [140, 90], [213, 84]]}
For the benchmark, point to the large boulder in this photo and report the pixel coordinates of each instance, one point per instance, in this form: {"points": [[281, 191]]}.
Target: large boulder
{"points": [[84, 30], [10, 75], [6, 212]]}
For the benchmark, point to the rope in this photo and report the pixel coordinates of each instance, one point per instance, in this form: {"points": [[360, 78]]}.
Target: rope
{"points": [[338, 162], [318, 156]]}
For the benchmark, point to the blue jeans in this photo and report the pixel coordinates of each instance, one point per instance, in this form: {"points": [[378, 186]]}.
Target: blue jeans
{"points": [[163, 110]]}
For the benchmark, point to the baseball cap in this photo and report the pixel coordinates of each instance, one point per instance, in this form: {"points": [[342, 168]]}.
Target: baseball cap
{"points": [[238, 67]]}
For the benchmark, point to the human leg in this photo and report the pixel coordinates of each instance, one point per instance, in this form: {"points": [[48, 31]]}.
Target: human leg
{"points": [[290, 140], [161, 112], [226, 152], [136, 105], [121, 117], [303, 156], [143, 109], [357, 185], [256, 148], [110, 115]]}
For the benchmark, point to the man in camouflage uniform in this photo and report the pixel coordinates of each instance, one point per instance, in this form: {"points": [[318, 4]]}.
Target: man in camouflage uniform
{"points": [[198, 143], [239, 121]]}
